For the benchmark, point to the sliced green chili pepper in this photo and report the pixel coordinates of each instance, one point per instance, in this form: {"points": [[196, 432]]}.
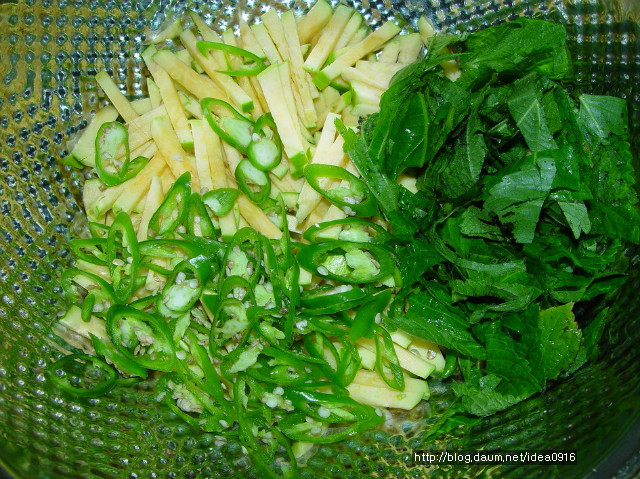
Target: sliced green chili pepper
{"points": [[211, 381], [284, 274], [347, 262], [98, 230], [251, 69], [239, 359], [271, 333], [318, 345], [365, 316], [265, 150], [82, 375], [253, 182], [210, 302], [75, 283], [87, 307], [267, 462], [263, 452], [386, 358], [165, 390], [347, 229], [354, 200], [147, 303], [141, 337], [195, 386], [212, 248], [243, 256], [290, 355], [123, 257], [173, 250], [173, 210], [184, 287], [239, 288], [284, 369], [349, 363], [328, 325], [220, 201], [286, 257], [326, 409], [272, 271], [232, 127], [108, 351], [111, 137], [198, 220], [91, 250], [291, 287], [450, 364], [265, 322], [340, 409], [328, 299], [230, 319], [296, 427], [199, 411], [246, 392]]}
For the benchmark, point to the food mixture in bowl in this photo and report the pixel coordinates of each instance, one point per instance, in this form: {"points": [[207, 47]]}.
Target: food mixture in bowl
{"points": [[306, 219]]}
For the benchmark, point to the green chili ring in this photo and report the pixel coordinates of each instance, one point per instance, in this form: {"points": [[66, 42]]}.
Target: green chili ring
{"points": [[253, 182], [355, 200], [185, 285], [123, 270], [386, 356], [165, 394], [73, 361], [110, 138], [172, 212], [264, 152], [313, 256], [164, 358], [313, 233], [329, 296], [108, 351], [296, 427], [204, 48], [236, 130], [91, 250], [198, 220], [70, 276], [340, 409], [365, 316], [220, 201]]}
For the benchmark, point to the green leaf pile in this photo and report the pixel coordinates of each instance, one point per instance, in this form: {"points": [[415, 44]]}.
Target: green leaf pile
{"points": [[525, 204]]}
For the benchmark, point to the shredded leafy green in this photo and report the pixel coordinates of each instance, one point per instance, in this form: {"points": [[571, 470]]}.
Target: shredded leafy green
{"points": [[525, 203]]}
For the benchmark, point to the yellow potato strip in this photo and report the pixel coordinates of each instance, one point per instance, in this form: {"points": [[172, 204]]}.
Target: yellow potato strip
{"points": [[169, 145]]}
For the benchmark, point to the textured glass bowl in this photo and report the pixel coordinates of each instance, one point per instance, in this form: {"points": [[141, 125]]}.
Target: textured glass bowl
{"points": [[49, 52]]}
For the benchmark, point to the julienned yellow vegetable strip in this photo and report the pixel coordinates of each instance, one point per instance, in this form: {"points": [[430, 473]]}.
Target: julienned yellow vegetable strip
{"points": [[201, 155], [198, 85], [314, 21], [140, 128], [300, 78], [169, 145], [117, 99], [154, 198], [170, 99]]}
